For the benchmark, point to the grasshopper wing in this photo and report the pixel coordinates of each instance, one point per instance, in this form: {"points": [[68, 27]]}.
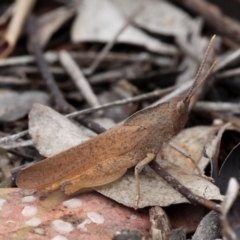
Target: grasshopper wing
{"points": [[79, 159]]}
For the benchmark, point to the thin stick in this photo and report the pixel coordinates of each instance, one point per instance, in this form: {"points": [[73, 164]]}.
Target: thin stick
{"points": [[7, 139], [110, 44], [60, 102], [193, 198], [22, 8], [121, 102], [79, 79]]}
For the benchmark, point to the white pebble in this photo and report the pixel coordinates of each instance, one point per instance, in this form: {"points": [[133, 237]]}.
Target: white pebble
{"points": [[2, 203], [34, 222], [28, 199], [39, 231], [72, 203], [61, 226], [83, 224], [96, 217], [29, 211], [59, 237], [133, 217]]}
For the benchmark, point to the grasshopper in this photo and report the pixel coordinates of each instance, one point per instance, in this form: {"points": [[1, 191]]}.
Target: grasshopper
{"points": [[107, 157]]}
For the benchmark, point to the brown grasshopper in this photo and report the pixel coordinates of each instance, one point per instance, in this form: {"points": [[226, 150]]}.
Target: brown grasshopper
{"points": [[107, 157]]}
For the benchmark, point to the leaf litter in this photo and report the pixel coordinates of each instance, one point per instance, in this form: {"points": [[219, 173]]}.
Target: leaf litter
{"points": [[158, 32]]}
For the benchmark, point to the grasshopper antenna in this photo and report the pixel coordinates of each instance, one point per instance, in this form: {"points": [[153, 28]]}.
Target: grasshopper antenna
{"points": [[193, 89]]}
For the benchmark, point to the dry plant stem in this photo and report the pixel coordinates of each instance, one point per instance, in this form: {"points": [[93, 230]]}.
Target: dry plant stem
{"points": [[19, 154], [79, 79], [214, 17], [229, 73], [110, 44], [22, 9], [61, 103], [213, 115], [141, 97], [193, 198], [85, 58], [25, 143], [9, 139], [217, 106]]}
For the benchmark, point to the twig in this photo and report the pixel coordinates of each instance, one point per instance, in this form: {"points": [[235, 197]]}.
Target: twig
{"points": [[217, 106], [193, 198], [7, 139], [229, 73], [214, 17], [18, 144], [79, 79], [86, 57], [141, 97], [60, 102], [27, 157], [110, 44], [22, 8]]}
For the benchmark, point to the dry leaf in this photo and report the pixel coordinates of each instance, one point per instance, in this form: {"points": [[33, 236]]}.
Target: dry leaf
{"points": [[99, 21], [160, 17], [192, 141], [14, 106], [155, 191], [51, 132], [50, 22]]}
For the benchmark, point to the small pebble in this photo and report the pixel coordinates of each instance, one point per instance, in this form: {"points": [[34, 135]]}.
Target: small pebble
{"points": [[39, 231], [34, 222], [29, 211], [61, 226], [82, 225], [2, 203], [28, 199], [59, 237], [96, 217], [133, 217], [72, 203]]}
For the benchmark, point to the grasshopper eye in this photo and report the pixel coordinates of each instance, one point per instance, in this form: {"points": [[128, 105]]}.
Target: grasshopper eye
{"points": [[180, 108]]}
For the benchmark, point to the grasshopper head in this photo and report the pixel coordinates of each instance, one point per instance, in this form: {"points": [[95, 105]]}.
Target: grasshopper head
{"points": [[179, 109]]}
